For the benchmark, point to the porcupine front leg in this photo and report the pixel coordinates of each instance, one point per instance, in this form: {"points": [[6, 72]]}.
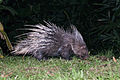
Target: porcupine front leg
{"points": [[65, 51], [38, 55]]}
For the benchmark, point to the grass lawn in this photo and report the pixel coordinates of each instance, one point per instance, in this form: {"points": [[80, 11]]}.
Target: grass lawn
{"points": [[28, 68]]}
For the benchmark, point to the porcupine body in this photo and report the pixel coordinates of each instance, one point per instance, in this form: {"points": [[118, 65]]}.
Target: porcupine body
{"points": [[49, 40]]}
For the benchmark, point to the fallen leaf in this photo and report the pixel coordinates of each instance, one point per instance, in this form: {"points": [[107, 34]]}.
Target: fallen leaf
{"points": [[114, 59], [6, 75], [1, 56]]}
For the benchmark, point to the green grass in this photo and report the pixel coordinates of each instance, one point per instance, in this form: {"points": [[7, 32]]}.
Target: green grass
{"points": [[17, 68]]}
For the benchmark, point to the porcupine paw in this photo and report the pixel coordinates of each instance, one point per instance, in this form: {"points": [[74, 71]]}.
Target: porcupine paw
{"points": [[38, 56], [66, 56]]}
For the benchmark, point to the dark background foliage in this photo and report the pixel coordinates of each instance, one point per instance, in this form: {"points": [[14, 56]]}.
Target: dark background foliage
{"points": [[97, 20]]}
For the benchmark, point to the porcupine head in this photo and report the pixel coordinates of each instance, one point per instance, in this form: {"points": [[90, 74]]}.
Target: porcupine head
{"points": [[78, 44], [50, 40]]}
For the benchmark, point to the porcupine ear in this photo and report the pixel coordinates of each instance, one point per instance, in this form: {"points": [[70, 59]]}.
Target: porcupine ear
{"points": [[77, 34]]}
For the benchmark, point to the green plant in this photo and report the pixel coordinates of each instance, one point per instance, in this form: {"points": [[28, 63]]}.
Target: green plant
{"points": [[1, 1], [107, 29], [4, 36], [3, 7]]}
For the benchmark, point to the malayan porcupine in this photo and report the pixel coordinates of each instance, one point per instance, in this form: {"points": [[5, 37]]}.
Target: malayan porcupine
{"points": [[49, 40]]}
